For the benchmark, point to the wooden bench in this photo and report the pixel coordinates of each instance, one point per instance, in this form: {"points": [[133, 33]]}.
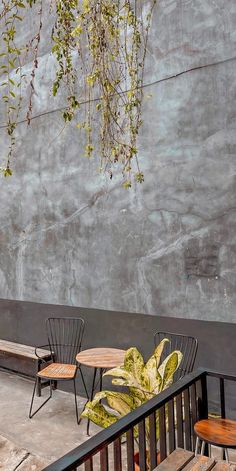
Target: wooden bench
{"points": [[10, 351], [186, 460]]}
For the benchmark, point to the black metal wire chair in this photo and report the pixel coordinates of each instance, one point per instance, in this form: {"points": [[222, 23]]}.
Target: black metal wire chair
{"points": [[64, 341], [186, 344]]}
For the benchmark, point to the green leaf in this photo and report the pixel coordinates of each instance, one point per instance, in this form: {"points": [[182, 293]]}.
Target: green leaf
{"points": [[7, 172], [151, 379], [159, 350], [138, 396], [169, 367], [134, 363], [124, 378], [121, 402], [99, 415]]}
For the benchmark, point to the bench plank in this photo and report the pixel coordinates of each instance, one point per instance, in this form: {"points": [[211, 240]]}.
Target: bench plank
{"points": [[182, 460], [22, 350], [200, 463], [223, 466], [176, 461]]}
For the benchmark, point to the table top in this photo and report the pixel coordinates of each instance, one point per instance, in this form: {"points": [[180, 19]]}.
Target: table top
{"points": [[101, 357], [221, 432]]}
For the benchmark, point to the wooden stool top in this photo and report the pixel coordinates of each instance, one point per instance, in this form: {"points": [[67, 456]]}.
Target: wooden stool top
{"points": [[219, 432], [101, 357]]}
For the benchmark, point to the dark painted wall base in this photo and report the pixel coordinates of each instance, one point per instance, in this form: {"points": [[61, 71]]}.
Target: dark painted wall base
{"points": [[24, 322]]}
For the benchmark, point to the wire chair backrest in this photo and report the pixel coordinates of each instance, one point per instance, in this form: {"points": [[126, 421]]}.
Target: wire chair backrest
{"points": [[186, 344], [65, 338]]}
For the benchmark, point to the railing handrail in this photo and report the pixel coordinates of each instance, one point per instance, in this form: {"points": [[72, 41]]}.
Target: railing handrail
{"points": [[89, 448], [217, 374]]}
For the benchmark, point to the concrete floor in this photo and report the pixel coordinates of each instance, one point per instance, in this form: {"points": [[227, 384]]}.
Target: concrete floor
{"points": [[52, 432]]}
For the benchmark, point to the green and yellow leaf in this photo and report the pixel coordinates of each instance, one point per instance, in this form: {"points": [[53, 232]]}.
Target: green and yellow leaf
{"points": [[169, 367], [99, 415], [134, 363]]}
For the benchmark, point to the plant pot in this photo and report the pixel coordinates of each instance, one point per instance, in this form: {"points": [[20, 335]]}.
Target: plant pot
{"points": [[136, 460]]}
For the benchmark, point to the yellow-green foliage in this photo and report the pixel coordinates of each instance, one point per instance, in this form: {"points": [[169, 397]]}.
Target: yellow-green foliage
{"points": [[143, 380]]}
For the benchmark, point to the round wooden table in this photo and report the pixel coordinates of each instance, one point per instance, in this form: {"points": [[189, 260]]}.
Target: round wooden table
{"points": [[218, 432], [100, 359]]}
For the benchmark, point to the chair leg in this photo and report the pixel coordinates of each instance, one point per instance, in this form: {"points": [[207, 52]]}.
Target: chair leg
{"points": [[101, 378], [197, 446], [32, 400], [84, 384], [39, 389], [226, 454], [76, 405], [91, 396], [203, 447]]}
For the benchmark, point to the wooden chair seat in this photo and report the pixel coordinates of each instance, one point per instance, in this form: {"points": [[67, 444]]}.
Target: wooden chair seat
{"points": [[219, 432], [57, 371]]}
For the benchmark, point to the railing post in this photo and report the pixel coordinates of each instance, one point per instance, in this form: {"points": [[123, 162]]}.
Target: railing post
{"points": [[162, 426], [130, 450], [222, 404], [203, 405], [153, 440], [142, 446], [117, 455], [222, 398]]}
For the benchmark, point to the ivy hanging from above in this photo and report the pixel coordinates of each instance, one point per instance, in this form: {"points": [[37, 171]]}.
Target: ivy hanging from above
{"points": [[100, 48]]}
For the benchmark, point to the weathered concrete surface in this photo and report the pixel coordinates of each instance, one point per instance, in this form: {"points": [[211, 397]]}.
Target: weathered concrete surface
{"points": [[10, 455], [13, 458], [52, 433], [166, 247], [49, 435], [32, 463]]}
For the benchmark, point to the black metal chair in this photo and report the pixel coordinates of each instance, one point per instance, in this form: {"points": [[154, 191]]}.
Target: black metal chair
{"points": [[64, 341], [186, 344]]}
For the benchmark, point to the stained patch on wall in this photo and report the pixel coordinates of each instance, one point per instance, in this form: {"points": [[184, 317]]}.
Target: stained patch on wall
{"points": [[202, 259]]}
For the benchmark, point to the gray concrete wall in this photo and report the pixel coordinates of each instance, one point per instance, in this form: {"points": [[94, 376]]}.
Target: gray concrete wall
{"points": [[167, 247]]}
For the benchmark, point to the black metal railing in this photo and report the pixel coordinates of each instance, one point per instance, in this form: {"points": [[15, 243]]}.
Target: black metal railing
{"points": [[175, 410]]}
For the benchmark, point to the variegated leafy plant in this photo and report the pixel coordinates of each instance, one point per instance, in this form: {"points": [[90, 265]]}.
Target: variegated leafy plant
{"points": [[144, 380]]}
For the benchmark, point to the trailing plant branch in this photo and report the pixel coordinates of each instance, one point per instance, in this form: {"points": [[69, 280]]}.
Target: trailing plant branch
{"points": [[105, 42]]}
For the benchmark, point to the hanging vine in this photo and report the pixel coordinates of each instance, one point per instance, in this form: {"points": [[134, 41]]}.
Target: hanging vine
{"points": [[100, 48]]}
